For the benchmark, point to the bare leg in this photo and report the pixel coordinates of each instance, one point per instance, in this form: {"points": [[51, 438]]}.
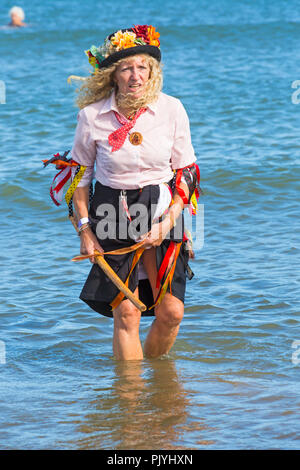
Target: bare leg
{"points": [[169, 314], [126, 341], [164, 329]]}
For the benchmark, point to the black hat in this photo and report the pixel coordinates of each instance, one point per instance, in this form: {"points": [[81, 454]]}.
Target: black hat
{"points": [[141, 39]]}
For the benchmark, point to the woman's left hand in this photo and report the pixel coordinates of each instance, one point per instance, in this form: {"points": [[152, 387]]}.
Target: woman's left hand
{"points": [[158, 233], [160, 230]]}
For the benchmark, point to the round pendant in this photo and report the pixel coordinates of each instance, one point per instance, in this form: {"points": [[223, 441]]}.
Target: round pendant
{"points": [[136, 138]]}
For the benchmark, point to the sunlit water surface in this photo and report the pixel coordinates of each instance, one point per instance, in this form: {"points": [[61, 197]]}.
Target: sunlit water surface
{"points": [[232, 379]]}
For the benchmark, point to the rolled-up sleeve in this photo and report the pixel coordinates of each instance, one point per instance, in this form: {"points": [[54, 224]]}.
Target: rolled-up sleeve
{"points": [[182, 152], [84, 148]]}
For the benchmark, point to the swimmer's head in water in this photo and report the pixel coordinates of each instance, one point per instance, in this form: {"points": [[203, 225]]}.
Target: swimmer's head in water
{"points": [[16, 14]]}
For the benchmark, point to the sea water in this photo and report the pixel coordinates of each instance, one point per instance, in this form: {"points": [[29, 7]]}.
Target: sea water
{"points": [[231, 380]]}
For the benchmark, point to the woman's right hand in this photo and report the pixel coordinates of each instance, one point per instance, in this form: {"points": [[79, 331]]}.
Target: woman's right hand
{"points": [[89, 244]]}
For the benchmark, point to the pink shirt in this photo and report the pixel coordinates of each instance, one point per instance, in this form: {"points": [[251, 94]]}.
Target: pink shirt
{"points": [[166, 144]]}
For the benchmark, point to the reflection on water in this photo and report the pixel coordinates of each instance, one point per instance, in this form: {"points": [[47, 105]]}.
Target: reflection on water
{"points": [[146, 408]]}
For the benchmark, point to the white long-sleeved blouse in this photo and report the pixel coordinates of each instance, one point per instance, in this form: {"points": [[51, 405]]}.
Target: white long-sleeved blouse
{"points": [[166, 144]]}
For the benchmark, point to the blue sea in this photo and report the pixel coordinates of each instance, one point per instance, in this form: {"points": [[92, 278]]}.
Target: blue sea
{"points": [[231, 380]]}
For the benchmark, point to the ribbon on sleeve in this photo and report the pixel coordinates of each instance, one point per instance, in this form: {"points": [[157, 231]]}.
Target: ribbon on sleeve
{"points": [[64, 166]]}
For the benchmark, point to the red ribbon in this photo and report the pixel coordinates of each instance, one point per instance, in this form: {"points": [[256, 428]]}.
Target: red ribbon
{"points": [[165, 263], [178, 180], [179, 189]]}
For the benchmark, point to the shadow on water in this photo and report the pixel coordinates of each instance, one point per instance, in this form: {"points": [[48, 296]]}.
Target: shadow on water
{"points": [[146, 408]]}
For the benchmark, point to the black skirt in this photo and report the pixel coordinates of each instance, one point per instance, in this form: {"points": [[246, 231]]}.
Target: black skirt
{"points": [[114, 230]]}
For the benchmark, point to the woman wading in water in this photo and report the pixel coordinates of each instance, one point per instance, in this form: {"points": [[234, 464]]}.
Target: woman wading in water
{"points": [[138, 139]]}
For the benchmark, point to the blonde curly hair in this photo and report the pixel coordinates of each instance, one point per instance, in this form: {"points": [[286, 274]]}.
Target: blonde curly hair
{"points": [[101, 84]]}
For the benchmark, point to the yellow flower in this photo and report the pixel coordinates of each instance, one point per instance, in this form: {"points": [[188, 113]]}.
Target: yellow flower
{"points": [[123, 40], [92, 59]]}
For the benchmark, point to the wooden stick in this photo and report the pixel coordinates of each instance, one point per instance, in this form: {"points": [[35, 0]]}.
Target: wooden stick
{"points": [[114, 277], [119, 251], [119, 283]]}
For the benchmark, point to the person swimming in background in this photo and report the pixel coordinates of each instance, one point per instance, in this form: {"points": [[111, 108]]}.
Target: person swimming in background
{"points": [[17, 17]]}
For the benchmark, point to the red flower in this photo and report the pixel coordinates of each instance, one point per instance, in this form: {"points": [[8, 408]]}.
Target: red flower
{"points": [[141, 32]]}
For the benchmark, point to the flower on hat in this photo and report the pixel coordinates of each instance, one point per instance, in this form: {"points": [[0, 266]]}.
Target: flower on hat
{"points": [[123, 40], [95, 51], [141, 32], [153, 36], [95, 56], [92, 59], [147, 34]]}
